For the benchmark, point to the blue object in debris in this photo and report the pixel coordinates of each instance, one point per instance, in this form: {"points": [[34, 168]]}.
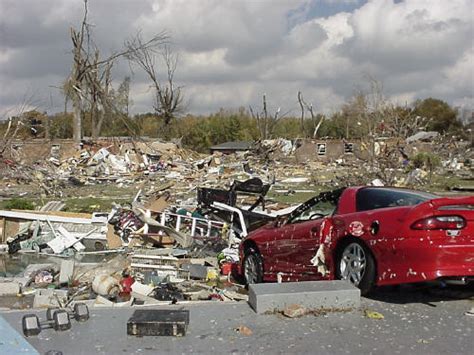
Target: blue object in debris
{"points": [[12, 342]]}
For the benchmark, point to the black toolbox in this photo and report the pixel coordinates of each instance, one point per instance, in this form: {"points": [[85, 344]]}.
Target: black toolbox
{"points": [[145, 322]]}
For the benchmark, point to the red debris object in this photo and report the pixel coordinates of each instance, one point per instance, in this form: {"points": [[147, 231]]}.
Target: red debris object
{"points": [[226, 268], [126, 284]]}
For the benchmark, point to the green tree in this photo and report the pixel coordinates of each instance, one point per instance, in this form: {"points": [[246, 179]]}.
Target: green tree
{"points": [[439, 115], [61, 125]]}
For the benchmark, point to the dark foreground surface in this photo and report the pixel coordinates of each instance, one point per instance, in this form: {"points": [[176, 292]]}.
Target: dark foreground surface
{"points": [[417, 320]]}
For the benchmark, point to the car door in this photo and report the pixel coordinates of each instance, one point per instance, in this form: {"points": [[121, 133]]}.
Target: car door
{"points": [[299, 239], [305, 239]]}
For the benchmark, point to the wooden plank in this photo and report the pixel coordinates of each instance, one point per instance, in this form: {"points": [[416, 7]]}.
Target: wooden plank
{"points": [[44, 217], [58, 213], [113, 240], [10, 228]]}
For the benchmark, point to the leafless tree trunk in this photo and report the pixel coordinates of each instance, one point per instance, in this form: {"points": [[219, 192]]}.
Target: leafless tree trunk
{"points": [[304, 106], [46, 124], [265, 122], [104, 99], [300, 100], [90, 78], [78, 74]]}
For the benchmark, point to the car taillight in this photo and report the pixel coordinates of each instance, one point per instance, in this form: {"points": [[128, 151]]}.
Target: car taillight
{"points": [[440, 222]]}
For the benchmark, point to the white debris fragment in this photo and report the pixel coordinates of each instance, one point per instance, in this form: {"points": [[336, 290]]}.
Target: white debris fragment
{"points": [[319, 260]]}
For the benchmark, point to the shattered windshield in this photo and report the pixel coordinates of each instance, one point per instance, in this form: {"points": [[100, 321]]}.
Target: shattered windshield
{"points": [[320, 206], [374, 198]]}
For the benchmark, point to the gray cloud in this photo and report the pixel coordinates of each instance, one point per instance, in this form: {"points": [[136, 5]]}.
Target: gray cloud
{"points": [[231, 52]]}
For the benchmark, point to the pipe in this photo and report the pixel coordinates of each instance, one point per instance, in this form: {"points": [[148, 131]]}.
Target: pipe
{"points": [[225, 207]]}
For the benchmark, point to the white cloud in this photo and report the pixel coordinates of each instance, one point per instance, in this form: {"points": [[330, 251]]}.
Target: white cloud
{"points": [[233, 51], [411, 35]]}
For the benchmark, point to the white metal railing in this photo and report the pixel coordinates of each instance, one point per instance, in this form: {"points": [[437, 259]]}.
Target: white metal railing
{"points": [[194, 226]]}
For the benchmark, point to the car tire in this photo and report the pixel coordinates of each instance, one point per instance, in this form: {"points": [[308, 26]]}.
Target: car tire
{"points": [[356, 264], [252, 267]]}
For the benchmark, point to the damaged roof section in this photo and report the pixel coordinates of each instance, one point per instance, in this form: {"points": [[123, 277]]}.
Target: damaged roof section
{"points": [[232, 147]]}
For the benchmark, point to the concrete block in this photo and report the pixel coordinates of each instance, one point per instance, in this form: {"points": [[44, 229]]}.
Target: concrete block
{"points": [[9, 288], [49, 298], [67, 271], [270, 297]]}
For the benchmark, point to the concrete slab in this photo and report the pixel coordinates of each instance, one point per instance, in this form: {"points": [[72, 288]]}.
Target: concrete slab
{"points": [[9, 288], [417, 321], [270, 297]]}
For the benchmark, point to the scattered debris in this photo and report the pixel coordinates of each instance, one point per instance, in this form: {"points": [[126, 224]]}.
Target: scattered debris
{"points": [[244, 330], [423, 136], [294, 311], [45, 298], [373, 314], [470, 312], [177, 238]]}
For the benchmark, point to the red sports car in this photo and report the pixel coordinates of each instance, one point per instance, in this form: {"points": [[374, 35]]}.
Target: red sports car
{"points": [[369, 235]]}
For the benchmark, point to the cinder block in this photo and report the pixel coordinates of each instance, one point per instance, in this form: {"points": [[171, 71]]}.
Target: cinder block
{"points": [[271, 297], [49, 298], [9, 288], [67, 271]]}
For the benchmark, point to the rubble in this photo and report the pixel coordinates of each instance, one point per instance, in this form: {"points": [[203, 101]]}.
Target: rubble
{"points": [[176, 238], [244, 330], [45, 298], [294, 311], [373, 314], [423, 136]]}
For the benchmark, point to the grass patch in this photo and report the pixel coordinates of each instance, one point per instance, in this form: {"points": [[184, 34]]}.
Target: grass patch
{"points": [[18, 204], [92, 204], [441, 183]]}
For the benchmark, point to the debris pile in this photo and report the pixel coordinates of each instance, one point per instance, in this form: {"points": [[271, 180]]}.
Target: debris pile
{"points": [[176, 238], [162, 253]]}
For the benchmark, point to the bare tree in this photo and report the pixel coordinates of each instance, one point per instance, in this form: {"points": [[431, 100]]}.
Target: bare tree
{"points": [[375, 115], [168, 97], [304, 106], [89, 83], [16, 121], [266, 122], [77, 77], [402, 121]]}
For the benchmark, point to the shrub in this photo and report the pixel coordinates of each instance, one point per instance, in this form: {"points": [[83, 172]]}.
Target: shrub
{"points": [[19, 204]]}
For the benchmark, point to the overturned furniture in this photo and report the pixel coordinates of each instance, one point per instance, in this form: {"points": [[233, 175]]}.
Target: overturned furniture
{"points": [[221, 205]]}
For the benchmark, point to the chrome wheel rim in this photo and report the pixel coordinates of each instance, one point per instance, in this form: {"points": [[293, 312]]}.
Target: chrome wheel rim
{"points": [[353, 263], [250, 269]]}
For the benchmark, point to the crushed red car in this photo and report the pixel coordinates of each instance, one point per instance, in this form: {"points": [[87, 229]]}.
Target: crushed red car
{"points": [[371, 236]]}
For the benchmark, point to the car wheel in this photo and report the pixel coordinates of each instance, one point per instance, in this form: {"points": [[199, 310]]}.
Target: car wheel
{"points": [[356, 264], [253, 267]]}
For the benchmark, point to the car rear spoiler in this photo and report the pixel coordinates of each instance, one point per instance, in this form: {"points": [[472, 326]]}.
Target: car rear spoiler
{"points": [[442, 204]]}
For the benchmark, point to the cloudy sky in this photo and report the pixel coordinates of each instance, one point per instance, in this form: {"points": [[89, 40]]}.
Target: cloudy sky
{"points": [[233, 51]]}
